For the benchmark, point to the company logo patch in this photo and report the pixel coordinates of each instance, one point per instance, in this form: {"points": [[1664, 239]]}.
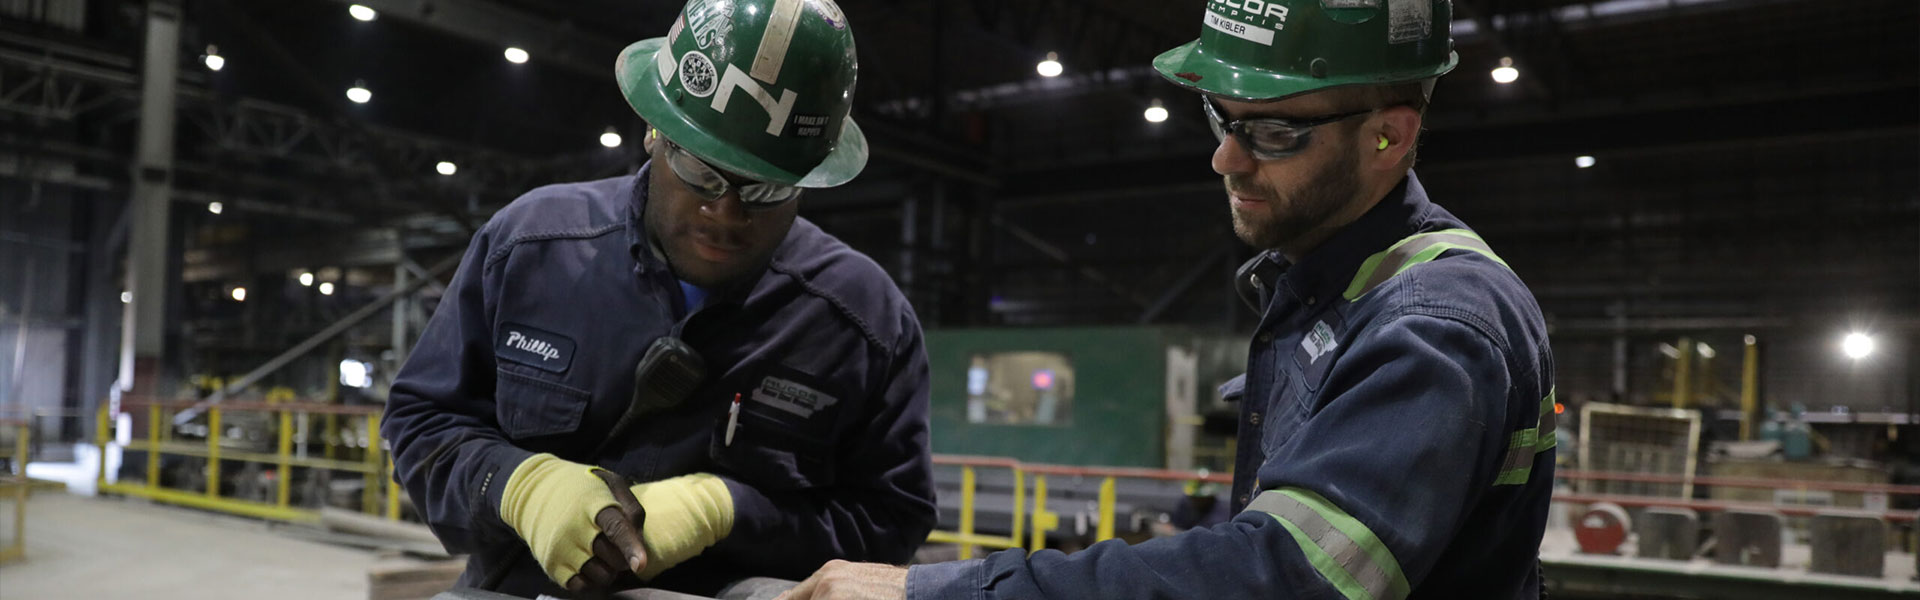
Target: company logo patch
{"points": [[1251, 20], [791, 397], [1318, 342], [697, 74], [539, 348]]}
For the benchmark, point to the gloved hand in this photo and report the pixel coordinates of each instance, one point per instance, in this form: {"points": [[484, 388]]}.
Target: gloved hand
{"points": [[582, 523], [685, 515]]}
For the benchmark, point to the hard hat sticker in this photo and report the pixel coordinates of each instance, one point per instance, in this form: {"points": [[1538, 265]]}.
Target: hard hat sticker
{"points": [[710, 20], [697, 74], [1409, 20], [829, 11], [773, 43]]}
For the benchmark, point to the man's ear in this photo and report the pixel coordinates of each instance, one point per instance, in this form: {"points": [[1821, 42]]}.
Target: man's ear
{"points": [[1392, 137], [647, 141]]}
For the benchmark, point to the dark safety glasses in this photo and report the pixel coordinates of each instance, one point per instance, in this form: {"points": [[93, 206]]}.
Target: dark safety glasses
{"points": [[711, 185], [1269, 138]]}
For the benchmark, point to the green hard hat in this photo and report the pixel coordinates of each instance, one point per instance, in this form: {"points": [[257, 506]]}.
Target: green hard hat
{"points": [[757, 87], [1273, 49]]}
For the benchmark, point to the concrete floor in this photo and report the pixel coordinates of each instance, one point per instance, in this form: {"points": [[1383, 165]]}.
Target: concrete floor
{"points": [[80, 547]]}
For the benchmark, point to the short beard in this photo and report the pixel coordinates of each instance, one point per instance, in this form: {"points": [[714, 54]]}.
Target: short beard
{"points": [[1294, 215]]}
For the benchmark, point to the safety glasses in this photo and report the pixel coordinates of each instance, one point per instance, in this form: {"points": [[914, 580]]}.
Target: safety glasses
{"points": [[711, 185], [1269, 138]]}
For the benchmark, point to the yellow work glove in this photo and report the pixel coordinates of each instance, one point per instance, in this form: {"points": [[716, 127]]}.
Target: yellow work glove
{"points": [[685, 515], [560, 507]]}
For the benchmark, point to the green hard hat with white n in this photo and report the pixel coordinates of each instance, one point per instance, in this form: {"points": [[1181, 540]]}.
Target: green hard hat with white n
{"points": [[760, 88], [1274, 49]]}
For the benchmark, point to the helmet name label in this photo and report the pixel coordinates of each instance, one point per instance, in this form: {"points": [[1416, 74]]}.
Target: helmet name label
{"points": [[1268, 14], [1251, 33]]}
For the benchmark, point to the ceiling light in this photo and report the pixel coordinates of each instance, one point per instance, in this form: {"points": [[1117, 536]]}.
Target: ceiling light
{"points": [[362, 12], [1857, 345], [445, 168], [306, 279], [215, 207], [1583, 162], [126, 297], [326, 288], [239, 294], [1505, 73], [1051, 66], [359, 93], [516, 56], [610, 139], [1157, 112], [213, 59]]}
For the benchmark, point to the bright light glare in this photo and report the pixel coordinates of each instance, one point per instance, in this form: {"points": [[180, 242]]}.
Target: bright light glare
{"points": [[306, 279], [445, 168], [1156, 114], [1505, 73], [326, 288], [239, 294], [1051, 66], [216, 207], [1583, 161], [610, 139], [1857, 345], [354, 373], [126, 297], [516, 56], [215, 62], [359, 95], [361, 12]]}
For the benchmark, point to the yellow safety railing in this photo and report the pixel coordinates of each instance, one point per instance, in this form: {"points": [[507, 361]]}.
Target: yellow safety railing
{"points": [[372, 462], [17, 488], [1043, 520]]}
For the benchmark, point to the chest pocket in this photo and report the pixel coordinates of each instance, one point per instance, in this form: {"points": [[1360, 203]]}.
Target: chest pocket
{"points": [[783, 438], [531, 403]]}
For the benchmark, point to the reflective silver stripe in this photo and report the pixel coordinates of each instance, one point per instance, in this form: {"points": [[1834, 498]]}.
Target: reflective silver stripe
{"points": [[1348, 554]]}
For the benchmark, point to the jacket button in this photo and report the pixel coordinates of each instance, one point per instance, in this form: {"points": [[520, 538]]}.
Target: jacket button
{"points": [[1265, 338], [1244, 500], [1309, 300], [1253, 419]]}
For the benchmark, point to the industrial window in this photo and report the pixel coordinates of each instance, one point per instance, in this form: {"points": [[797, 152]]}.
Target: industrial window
{"points": [[1020, 388]]}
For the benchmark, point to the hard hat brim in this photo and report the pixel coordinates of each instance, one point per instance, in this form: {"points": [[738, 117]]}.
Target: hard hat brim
{"points": [[640, 82], [1188, 66]]}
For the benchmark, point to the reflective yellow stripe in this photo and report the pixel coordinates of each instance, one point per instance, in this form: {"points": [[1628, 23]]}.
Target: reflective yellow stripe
{"points": [[1342, 549], [1524, 444], [1416, 249]]}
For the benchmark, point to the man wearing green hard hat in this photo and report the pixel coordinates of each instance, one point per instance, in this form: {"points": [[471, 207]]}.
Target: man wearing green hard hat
{"points": [[1396, 419], [669, 379]]}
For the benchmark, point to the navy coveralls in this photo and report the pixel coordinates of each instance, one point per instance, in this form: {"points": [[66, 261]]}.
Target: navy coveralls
{"points": [[534, 346], [1395, 437]]}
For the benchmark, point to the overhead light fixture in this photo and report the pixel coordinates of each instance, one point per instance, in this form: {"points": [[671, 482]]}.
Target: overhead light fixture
{"points": [[1156, 113], [1051, 66], [1669, 350], [357, 374], [306, 279], [1857, 345], [213, 59], [1706, 351], [1584, 162], [359, 93], [446, 168], [610, 138], [326, 288], [362, 12], [1505, 73], [516, 56], [215, 207], [126, 297], [239, 294]]}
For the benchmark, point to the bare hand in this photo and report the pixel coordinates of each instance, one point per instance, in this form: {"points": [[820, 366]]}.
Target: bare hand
{"points": [[842, 580]]}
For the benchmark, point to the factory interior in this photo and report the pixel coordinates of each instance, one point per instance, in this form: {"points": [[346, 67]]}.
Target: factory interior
{"points": [[251, 251]]}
